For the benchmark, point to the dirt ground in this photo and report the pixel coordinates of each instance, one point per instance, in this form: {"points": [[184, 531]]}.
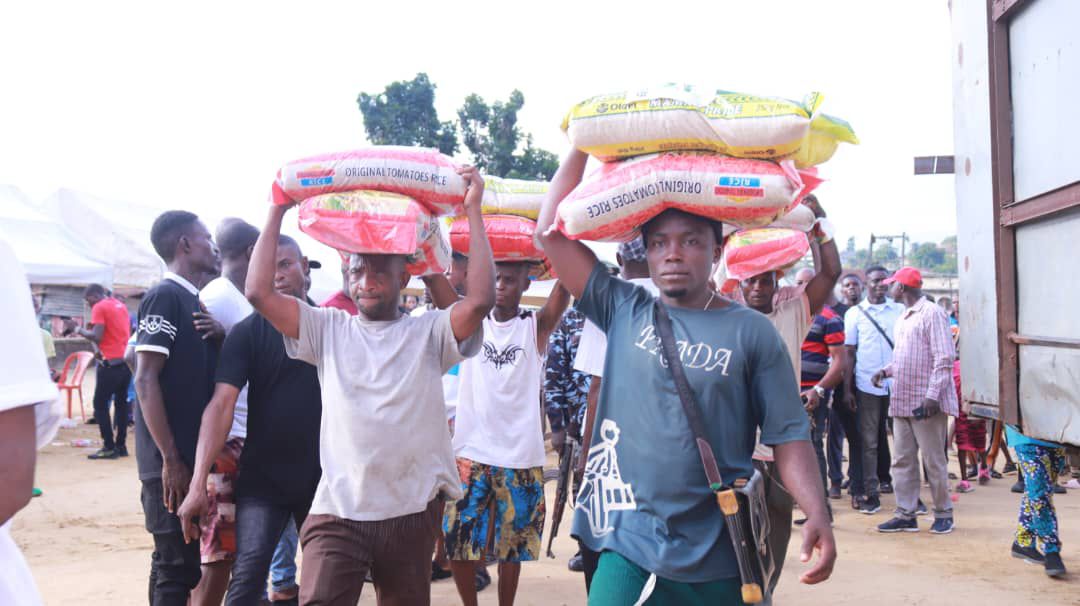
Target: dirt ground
{"points": [[85, 543]]}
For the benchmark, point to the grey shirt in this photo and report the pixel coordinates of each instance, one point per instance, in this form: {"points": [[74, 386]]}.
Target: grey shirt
{"points": [[384, 447]]}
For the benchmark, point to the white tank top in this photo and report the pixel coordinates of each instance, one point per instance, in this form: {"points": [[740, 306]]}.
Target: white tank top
{"points": [[498, 413]]}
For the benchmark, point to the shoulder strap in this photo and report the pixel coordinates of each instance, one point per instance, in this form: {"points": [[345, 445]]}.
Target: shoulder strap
{"points": [[686, 395], [876, 325]]}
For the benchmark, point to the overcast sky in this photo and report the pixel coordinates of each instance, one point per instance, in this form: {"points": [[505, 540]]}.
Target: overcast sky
{"points": [[196, 105]]}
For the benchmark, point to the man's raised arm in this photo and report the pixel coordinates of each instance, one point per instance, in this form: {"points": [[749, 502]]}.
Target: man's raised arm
{"points": [[281, 310], [467, 315], [572, 260]]}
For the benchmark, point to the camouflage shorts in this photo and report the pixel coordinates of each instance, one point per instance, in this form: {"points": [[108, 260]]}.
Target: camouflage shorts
{"points": [[502, 514], [218, 543]]}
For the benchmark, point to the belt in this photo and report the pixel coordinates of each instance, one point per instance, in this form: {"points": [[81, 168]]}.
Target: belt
{"points": [[111, 363]]}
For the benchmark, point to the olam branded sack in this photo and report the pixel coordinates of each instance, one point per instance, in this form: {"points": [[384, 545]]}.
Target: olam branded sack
{"points": [[513, 197], [613, 202], [674, 118], [511, 237], [425, 175], [376, 222], [754, 251]]}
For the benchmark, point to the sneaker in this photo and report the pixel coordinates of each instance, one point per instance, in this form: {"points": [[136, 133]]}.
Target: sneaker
{"points": [[103, 453], [984, 476], [1018, 487], [483, 579], [856, 500], [576, 564], [36, 492], [121, 451], [1053, 564], [899, 525], [1027, 554], [952, 476], [942, 526], [886, 488], [870, 505], [834, 491], [1009, 468], [438, 574], [1059, 489], [995, 474], [964, 486], [920, 509]]}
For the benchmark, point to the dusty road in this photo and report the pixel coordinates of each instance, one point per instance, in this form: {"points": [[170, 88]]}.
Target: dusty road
{"points": [[86, 545]]}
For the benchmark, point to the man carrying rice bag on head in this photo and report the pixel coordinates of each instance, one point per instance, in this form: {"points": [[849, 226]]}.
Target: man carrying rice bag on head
{"points": [[387, 462], [647, 503]]}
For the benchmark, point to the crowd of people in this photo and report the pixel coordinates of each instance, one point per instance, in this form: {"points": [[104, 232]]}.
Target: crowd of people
{"points": [[399, 443]]}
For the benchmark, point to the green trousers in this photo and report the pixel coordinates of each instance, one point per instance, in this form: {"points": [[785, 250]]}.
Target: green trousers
{"points": [[619, 582]]}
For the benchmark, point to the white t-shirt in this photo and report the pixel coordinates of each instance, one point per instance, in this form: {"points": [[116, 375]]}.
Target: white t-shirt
{"points": [[228, 305], [592, 347], [384, 446], [23, 382], [498, 415]]}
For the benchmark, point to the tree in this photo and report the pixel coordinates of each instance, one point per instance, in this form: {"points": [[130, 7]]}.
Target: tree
{"points": [[404, 114], [926, 255], [491, 134]]}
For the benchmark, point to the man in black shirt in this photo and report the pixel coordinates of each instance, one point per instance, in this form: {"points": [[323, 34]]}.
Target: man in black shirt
{"points": [[176, 349], [279, 466]]}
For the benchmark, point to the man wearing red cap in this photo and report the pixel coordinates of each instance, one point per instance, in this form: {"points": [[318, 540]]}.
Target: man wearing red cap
{"points": [[923, 397]]}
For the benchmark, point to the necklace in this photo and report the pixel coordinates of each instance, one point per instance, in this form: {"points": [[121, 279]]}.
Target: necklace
{"points": [[712, 295]]}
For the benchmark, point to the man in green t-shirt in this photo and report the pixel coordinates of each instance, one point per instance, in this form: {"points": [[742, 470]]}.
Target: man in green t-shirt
{"points": [[646, 503]]}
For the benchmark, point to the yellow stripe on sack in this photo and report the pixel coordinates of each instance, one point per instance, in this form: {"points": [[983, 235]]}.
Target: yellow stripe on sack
{"points": [[611, 152], [502, 210]]}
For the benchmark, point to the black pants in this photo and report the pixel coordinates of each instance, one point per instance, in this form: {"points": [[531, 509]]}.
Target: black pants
{"points": [[112, 386], [259, 524], [872, 416], [174, 565], [589, 560]]}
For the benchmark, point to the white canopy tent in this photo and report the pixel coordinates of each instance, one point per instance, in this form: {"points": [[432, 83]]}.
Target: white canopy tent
{"points": [[118, 232], [49, 253]]}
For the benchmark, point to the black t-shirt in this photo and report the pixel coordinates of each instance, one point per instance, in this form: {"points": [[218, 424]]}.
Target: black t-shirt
{"points": [[838, 392], [166, 326], [280, 460]]}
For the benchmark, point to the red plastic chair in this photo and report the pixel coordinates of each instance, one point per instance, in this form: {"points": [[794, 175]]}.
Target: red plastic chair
{"points": [[71, 378]]}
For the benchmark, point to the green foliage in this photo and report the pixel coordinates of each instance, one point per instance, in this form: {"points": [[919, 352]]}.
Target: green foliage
{"points": [[491, 134], [927, 256], [404, 114]]}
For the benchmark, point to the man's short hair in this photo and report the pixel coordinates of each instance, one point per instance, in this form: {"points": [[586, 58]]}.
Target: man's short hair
{"points": [[717, 227], [459, 256], [284, 240], [851, 275], [874, 268], [95, 290], [235, 236], [167, 230]]}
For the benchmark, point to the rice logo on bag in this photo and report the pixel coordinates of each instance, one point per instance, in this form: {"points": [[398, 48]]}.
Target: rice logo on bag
{"points": [[613, 202], [425, 175]]}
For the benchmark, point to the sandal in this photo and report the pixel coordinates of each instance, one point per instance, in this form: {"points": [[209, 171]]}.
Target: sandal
{"points": [[984, 476]]}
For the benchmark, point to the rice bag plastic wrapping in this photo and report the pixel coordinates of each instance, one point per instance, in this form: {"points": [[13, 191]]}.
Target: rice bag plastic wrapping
{"points": [[513, 197], [374, 222], [613, 202], [425, 175], [511, 237], [800, 218], [676, 117], [751, 252]]}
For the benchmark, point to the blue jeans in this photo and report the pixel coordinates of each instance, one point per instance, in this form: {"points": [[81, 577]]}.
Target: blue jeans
{"points": [[283, 566], [259, 528]]}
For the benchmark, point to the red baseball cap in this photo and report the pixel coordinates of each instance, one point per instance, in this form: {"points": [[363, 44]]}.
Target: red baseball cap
{"points": [[908, 276]]}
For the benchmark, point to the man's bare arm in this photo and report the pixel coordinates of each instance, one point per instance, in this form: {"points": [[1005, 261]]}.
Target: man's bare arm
{"points": [[217, 419], [572, 260], [549, 316], [467, 316], [175, 474], [18, 452], [283, 311], [442, 293]]}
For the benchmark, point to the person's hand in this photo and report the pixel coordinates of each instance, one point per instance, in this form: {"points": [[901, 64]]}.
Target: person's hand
{"points": [[878, 377], [849, 402], [818, 536], [811, 400], [474, 184], [930, 408], [70, 325], [195, 507], [558, 440], [175, 479], [205, 323]]}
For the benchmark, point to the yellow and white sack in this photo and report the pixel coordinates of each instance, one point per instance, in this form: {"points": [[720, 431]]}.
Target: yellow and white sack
{"points": [[516, 197]]}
